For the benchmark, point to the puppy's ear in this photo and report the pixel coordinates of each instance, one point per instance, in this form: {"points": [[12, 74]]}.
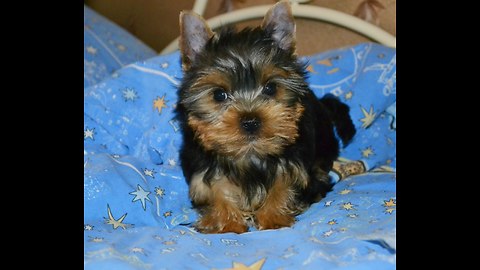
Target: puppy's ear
{"points": [[280, 23], [194, 34]]}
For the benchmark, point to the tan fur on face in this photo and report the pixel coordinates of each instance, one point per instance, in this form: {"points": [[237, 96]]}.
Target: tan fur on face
{"points": [[279, 129], [270, 71], [211, 79], [219, 128], [217, 124]]}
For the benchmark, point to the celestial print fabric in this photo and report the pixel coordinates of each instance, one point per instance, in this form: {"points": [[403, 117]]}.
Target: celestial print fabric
{"points": [[137, 214], [107, 47]]}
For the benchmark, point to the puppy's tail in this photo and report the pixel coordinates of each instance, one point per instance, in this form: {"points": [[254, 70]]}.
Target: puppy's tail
{"points": [[340, 115]]}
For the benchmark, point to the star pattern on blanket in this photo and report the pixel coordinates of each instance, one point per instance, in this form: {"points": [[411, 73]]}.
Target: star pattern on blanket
{"points": [[348, 95], [91, 50], [159, 103], [171, 162], [348, 206], [367, 152], [390, 203], [129, 94], [116, 222], [138, 250], [328, 233], [332, 222], [159, 191], [149, 172], [88, 133], [389, 210], [96, 239], [369, 116], [141, 195], [255, 266]]}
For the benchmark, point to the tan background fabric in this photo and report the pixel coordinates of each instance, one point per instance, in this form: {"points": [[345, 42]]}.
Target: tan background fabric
{"points": [[155, 22]]}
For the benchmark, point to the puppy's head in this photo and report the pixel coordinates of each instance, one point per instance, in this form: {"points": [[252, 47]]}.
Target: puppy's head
{"points": [[242, 91]]}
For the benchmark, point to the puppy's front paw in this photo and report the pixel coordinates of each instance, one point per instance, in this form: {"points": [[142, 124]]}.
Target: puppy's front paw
{"points": [[217, 224], [273, 220]]}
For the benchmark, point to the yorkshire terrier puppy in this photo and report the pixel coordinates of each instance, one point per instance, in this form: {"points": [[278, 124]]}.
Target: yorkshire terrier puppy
{"points": [[258, 145]]}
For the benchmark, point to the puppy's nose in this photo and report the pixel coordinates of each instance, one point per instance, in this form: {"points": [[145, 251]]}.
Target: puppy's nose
{"points": [[250, 125]]}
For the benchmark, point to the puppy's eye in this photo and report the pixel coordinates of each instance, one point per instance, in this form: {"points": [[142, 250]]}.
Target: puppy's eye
{"points": [[270, 89], [220, 95]]}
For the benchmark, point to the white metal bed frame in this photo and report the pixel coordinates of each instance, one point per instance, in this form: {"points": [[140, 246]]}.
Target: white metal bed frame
{"points": [[302, 11]]}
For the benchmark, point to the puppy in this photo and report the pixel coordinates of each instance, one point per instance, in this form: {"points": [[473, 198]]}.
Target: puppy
{"points": [[257, 143]]}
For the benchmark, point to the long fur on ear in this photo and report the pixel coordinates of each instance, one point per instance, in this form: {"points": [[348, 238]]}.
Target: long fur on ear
{"points": [[280, 23], [194, 34]]}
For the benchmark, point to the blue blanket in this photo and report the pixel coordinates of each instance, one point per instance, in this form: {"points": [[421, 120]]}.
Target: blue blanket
{"points": [[137, 212], [107, 47]]}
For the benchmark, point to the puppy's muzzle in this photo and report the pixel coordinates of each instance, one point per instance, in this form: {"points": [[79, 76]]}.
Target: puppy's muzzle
{"points": [[250, 125]]}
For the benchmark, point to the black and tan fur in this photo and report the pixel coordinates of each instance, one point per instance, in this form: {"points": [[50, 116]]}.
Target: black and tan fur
{"points": [[258, 145]]}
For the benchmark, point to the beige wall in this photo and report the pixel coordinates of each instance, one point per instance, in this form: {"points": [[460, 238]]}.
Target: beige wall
{"points": [[156, 21]]}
